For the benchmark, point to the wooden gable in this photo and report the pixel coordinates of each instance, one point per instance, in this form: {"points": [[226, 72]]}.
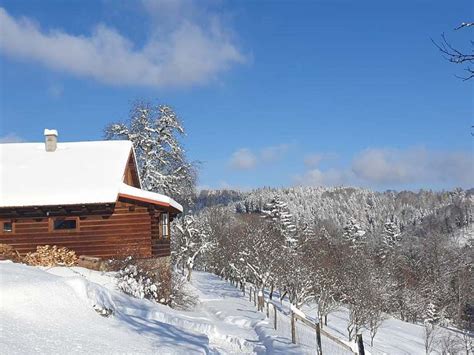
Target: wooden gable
{"points": [[131, 174]]}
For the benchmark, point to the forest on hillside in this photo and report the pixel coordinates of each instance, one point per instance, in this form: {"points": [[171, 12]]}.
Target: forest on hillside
{"points": [[407, 254]]}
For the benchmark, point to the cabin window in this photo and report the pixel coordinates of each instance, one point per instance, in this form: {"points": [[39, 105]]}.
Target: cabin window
{"points": [[7, 227], [64, 224], [165, 225]]}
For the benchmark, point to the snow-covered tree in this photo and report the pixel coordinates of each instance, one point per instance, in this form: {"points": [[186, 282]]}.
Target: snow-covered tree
{"points": [[353, 234], [191, 238], [155, 131], [326, 293], [279, 213], [391, 236]]}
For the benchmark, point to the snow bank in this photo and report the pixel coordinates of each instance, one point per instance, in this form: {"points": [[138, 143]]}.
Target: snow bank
{"points": [[45, 313], [52, 310]]}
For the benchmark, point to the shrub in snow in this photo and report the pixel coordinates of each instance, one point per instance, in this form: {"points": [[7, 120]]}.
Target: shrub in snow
{"points": [[181, 296], [140, 283], [155, 283], [51, 256]]}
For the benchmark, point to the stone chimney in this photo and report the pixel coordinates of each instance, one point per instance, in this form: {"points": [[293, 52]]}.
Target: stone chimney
{"points": [[50, 139]]}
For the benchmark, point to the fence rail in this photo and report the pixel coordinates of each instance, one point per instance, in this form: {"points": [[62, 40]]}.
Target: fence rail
{"points": [[300, 329]]}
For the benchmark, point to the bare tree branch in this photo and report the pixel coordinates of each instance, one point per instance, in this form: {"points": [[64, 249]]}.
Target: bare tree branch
{"points": [[457, 56], [464, 24]]}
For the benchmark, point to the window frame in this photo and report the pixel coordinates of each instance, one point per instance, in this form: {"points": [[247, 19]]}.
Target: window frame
{"points": [[67, 218], [163, 225], [2, 230]]}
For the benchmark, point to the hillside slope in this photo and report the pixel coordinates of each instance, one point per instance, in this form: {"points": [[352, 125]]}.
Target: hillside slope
{"points": [[52, 311]]}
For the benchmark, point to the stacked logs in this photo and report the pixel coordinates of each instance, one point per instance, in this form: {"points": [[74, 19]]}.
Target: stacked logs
{"points": [[51, 256], [7, 252]]}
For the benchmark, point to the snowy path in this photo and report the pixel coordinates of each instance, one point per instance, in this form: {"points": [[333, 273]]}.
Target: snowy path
{"points": [[237, 318]]}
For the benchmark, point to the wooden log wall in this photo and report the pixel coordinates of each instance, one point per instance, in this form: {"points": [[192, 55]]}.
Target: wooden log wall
{"points": [[130, 230]]}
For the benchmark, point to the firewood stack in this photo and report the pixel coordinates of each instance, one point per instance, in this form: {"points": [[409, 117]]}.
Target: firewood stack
{"points": [[51, 256], [7, 252]]}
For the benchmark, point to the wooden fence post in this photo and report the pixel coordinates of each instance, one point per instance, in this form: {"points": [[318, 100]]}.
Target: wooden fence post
{"points": [[293, 328], [319, 347], [261, 302], [360, 344], [275, 320], [268, 312], [255, 297], [250, 294]]}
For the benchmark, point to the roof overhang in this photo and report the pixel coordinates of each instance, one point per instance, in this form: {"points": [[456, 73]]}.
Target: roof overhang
{"points": [[132, 193]]}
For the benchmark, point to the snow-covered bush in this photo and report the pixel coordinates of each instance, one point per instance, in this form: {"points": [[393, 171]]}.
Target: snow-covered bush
{"points": [[181, 297], [156, 283], [139, 283]]}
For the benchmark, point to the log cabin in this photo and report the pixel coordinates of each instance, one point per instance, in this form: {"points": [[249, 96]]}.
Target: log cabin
{"points": [[85, 196]]}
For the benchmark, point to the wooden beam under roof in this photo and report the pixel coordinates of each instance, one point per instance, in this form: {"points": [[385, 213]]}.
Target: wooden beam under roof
{"points": [[56, 211]]}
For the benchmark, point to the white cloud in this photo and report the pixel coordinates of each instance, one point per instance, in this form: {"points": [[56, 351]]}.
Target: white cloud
{"points": [[394, 168], [313, 160], [274, 153], [246, 159], [11, 138], [243, 159], [331, 177], [186, 50], [413, 165]]}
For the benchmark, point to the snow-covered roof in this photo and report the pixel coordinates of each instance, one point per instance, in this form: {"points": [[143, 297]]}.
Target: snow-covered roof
{"points": [[76, 173], [128, 191]]}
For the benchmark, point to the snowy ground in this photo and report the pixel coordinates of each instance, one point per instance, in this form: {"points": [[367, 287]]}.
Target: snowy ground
{"points": [[394, 336], [51, 311]]}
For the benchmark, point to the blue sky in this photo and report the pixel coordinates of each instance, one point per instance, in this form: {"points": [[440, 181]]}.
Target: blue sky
{"points": [[271, 93]]}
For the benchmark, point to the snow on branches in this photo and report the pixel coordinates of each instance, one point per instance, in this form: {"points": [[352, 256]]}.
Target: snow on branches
{"points": [[279, 213], [138, 283], [161, 159], [191, 238]]}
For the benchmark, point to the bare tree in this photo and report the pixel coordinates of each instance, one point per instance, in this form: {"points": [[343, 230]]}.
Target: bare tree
{"points": [[458, 56], [448, 344], [466, 339], [430, 332]]}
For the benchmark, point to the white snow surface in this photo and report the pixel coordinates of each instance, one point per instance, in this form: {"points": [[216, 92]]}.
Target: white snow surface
{"points": [[394, 337], [50, 132], [50, 311], [150, 196], [76, 173]]}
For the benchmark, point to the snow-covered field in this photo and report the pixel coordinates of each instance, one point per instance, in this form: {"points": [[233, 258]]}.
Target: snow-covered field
{"points": [[52, 311]]}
